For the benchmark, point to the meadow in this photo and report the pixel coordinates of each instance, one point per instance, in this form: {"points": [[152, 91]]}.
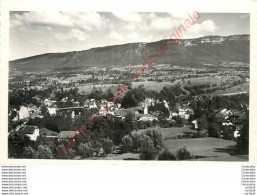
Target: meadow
{"points": [[206, 149]]}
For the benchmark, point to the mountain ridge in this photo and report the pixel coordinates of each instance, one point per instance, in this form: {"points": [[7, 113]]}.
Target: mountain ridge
{"points": [[211, 49]]}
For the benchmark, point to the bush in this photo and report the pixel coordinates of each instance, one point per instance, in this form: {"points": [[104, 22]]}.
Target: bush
{"points": [[44, 152], [183, 154], [85, 150], [166, 155], [164, 123], [107, 146], [97, 147], [228, 134], [147, 149], [29, 152], [70, 154]]}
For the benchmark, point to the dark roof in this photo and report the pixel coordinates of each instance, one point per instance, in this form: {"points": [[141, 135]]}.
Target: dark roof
{"points": [[45, 131], [122, 113], [26, 129]]}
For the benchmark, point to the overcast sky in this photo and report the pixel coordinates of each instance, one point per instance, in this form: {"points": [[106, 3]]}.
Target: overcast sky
{"points": [[33, 33]]}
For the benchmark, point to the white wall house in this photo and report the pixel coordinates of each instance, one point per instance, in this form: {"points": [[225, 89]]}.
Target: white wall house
{"points": [[51, 110], [23, 113]]}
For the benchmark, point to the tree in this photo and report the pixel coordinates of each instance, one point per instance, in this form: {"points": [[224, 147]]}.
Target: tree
{"points": [[137, 138], [213, 130], [107, 146], [166, 155], [179, 121], [202, 122], [29, 152], [183, 154], [16, 144], [157, 139], [242, 142], [43, 109], [147, 149], [129, 120], [127, 143], [85, 150], [44, 152]]}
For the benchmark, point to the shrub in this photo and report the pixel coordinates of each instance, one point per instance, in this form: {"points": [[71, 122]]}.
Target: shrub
{"points": [[29, 152], [44, 152], [164, 123], [166, 155], [147, 149], [97, 147], [183, 154], [107, 146], [85, 150], [71, 153]]}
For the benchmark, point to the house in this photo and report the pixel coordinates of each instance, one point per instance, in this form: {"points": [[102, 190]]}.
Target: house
{"points": [[44, 132], [195, 124], [146, 117], [33, 110], [90, 104], [185, 113], [76, 103], [236, 133], [48, 102], [150, 101], [52, 110], [73, 114], [121, 113], [103, 111], [106, 103], [224, 114], [62, 136], [23, 113], [64, 99], [28, 130]]}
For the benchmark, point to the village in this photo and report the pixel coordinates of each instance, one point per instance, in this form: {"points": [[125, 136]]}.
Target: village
{"points": [[59, 104]]}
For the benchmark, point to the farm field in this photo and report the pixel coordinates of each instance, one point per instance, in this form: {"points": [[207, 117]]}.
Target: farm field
{"points": [[212, 80], [87, 88], [152, 85], [237, 89]]}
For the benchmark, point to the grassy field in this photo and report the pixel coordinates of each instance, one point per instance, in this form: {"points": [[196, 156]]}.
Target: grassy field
{"points": [[212, 80], [206, 149], [152, 85], [241, 88], [172, 133]]}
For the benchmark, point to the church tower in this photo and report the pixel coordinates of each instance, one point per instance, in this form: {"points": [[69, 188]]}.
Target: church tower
{"points": [[145, 108]]}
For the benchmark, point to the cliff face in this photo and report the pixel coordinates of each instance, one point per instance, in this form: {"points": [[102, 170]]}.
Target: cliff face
{"points": [[194, 52]]}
